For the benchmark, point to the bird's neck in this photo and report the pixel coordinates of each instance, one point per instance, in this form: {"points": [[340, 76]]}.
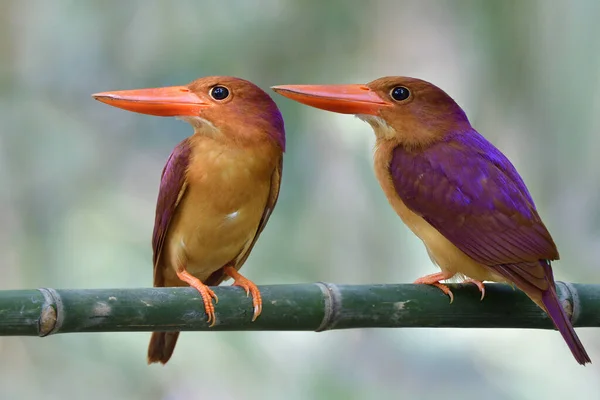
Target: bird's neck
{"points": [[420, 138], [252, 154], [247, 137]]}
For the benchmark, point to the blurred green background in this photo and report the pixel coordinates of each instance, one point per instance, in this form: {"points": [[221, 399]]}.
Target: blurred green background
{"points": [[79, 182]]}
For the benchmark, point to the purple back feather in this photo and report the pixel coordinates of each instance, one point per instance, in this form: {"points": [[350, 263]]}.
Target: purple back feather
{"points": [[471, 193]]}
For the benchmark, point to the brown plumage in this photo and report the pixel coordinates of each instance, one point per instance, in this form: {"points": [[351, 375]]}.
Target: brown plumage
{"points": [[218, 188]]}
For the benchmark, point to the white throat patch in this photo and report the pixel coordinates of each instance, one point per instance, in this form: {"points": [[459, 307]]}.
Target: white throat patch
{"points": [[381, 128], [201, 125]]}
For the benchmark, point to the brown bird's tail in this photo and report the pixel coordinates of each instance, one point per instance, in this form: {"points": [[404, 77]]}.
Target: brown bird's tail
{"points": [[561, 319], [162, 345]]}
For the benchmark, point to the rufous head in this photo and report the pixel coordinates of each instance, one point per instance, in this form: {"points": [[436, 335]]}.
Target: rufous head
{"points": [[216, 105], [411, 111]]}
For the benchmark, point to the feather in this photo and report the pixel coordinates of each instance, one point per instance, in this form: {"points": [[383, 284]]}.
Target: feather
{"points": [[218, 276], [172, 189], [470, 192]]}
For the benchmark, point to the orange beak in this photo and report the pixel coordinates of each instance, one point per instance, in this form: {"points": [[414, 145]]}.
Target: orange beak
{"points": [[174, 101], [345, 99]]}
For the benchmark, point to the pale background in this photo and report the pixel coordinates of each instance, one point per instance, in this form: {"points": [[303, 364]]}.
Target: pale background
{"points": [[79, 182]]}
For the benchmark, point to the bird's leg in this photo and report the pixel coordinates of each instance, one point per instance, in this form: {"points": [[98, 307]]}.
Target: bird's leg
{"points": [[434, 280], [479, 284], [248, 286], [205, 292]]}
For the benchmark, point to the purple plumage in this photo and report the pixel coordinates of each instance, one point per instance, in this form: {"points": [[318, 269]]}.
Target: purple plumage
{"points": [[561, 319], [471, 193], [171, 184], [452, 188]]}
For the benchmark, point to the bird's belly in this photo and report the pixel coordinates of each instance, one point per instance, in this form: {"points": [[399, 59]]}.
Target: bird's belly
{"points": [[213, 231], [445, 254], [212, 245]]}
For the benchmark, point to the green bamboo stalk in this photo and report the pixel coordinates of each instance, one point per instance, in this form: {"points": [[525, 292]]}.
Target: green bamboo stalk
{"points": [[303, 307]]}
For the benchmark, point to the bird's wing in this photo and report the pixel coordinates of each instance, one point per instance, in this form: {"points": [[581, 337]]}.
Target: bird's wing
{"points": [[217, 277], [172, 188], [471, 193]]}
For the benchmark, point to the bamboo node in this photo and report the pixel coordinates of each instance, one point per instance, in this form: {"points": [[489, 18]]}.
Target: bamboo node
{"points": [[51, 316], [569, 299], [333, 303]]}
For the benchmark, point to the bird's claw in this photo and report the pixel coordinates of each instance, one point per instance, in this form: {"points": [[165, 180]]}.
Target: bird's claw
{"points": [[444, 289], [249, 287], [479, 285], [206, 294], [434, 280]]}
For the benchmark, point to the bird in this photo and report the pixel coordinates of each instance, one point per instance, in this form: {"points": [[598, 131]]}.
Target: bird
{"points": [[453, 189], [217, 189]]}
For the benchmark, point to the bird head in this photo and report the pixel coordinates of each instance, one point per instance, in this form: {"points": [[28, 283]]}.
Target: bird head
{"points": [[218, 106], [408, 110]]}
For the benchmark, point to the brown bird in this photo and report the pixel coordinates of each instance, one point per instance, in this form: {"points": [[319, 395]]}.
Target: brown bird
{"points": [[456, 191], [217, 190]]}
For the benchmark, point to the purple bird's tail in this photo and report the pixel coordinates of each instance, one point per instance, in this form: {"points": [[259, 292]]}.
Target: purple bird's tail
{"points": [[561, 319]]}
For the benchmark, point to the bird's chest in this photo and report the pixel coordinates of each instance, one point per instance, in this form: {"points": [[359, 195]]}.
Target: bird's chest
{"points": [[221, 210], [228, 186]]}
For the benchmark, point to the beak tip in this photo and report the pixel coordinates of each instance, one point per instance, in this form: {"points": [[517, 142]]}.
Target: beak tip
{"points": [[100, 96], [173, 101]]}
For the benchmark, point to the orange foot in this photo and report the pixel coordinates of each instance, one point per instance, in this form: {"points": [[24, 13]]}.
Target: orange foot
{"points": [[479, 284], [434, 280], [249, 287], [205, 292]]}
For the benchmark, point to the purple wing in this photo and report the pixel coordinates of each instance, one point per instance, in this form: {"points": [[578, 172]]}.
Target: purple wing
{"points": [[471, 193], [172, 188]]}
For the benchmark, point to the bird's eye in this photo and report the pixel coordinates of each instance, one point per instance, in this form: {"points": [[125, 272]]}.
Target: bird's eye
{"points": [[400, 93], [219, 93]]}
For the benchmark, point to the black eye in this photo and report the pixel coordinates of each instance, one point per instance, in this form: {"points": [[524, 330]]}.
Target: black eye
{"points": [[400, 93], [219, 92]]}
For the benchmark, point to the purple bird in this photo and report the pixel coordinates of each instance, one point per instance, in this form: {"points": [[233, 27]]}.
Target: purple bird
{"points": [[457, 192]]}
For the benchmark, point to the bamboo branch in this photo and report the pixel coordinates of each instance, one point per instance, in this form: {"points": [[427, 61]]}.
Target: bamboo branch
{"points": [[303, 307]]}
